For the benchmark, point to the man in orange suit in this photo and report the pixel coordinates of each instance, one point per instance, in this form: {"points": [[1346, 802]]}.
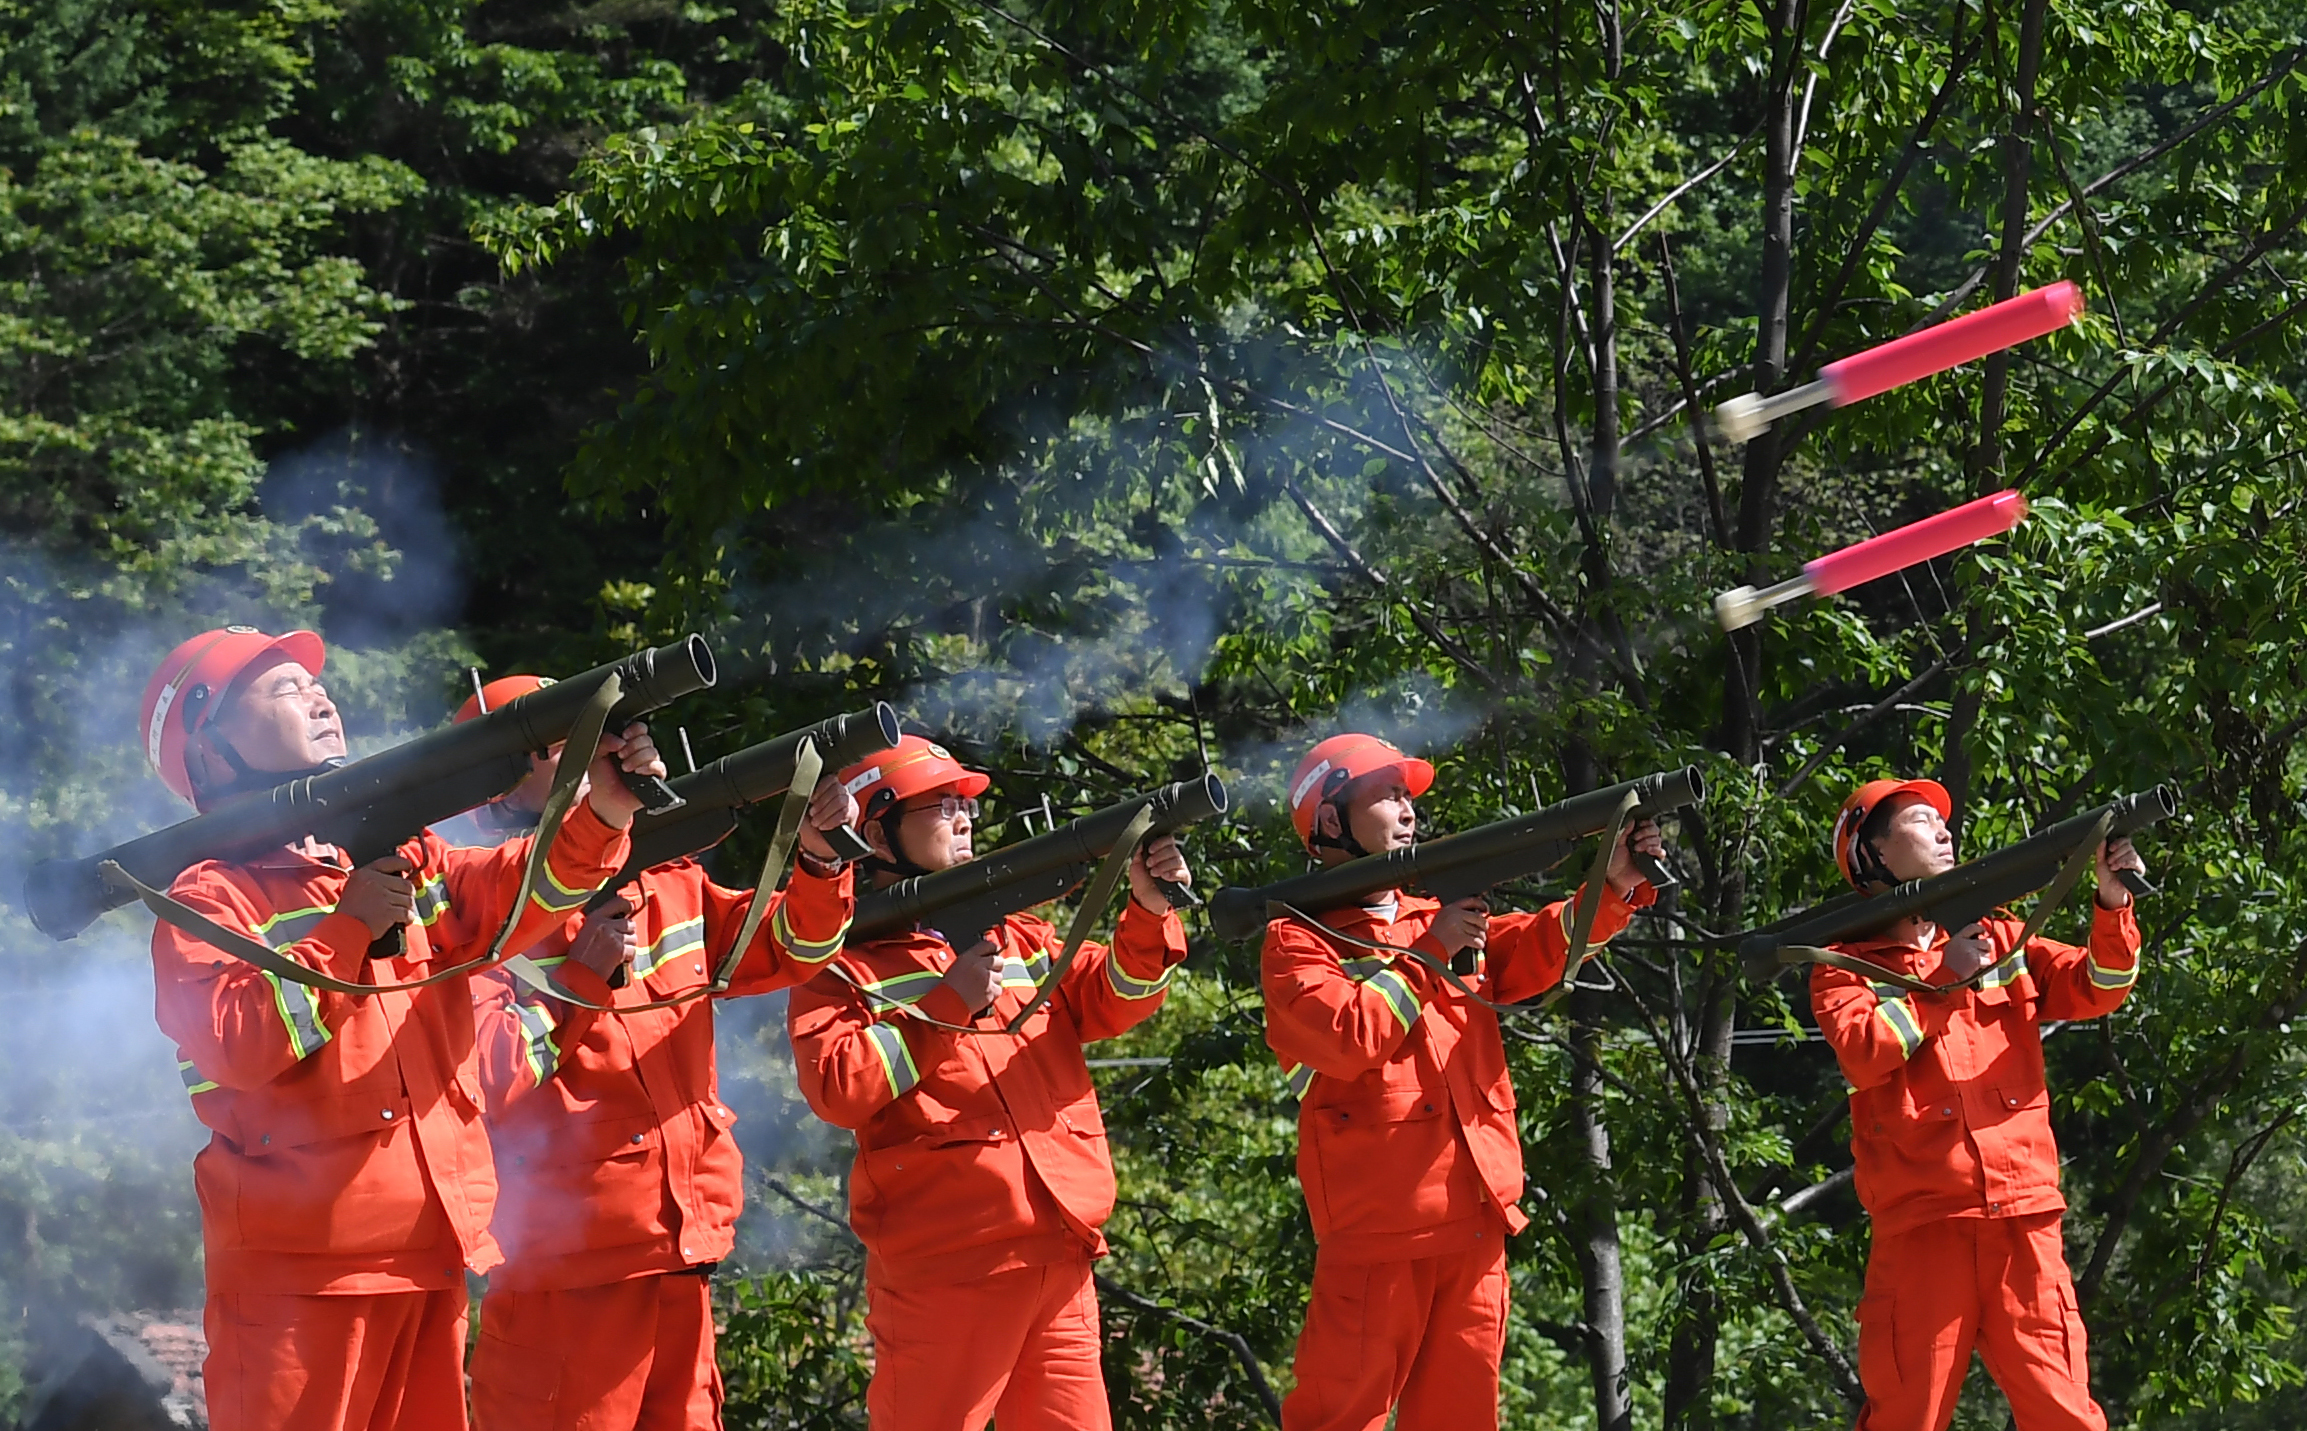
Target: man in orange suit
{"points": [[1408, 1151], [982, 1175], [1951, 1129], [346, 1188], [621, 1178]]}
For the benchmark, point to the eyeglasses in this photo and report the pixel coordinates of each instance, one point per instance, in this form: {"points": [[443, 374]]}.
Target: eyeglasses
{"points": [[948, 806]]}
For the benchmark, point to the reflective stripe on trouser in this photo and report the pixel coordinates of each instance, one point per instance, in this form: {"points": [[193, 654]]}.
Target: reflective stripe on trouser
{"points": [[1425, 1334], [1996, 1285], [1020, 1347], [636, 1355], [336, 1363]]}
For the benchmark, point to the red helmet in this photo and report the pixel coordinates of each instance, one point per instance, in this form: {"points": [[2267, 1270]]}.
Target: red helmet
{"points": [[916, 765], [1339, 761], [1864, 801], [184, 693], [496, 693]]}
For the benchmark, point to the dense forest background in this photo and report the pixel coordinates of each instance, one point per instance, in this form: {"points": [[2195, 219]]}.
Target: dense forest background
{"points": [[1122, 386]]}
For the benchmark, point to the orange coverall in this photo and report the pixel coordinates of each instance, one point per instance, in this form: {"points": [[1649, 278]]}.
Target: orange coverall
{"points": [[1951, 1131], [621, 1179], [982, 1175], [346, 1187], [1409, 1156]]}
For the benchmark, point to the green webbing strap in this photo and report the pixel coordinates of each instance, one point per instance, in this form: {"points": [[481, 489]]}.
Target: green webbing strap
{"points": [[1276, 909], [1101, 889], [807, 765], [2054, 895], [584, 735], [584, 738], [1582, 927], [1590, 901], [1092, 909], [171, 911]]}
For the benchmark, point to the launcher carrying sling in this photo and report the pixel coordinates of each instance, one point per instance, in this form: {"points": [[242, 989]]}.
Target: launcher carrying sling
{"points": [[1960, 897], [981, 893], [712, 796], [370, 806], [1463, 865]]}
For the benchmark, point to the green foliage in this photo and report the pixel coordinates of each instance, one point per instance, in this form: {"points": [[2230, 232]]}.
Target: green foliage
{"points": [[794, 1359], [1123, 386], [1117, 383]]}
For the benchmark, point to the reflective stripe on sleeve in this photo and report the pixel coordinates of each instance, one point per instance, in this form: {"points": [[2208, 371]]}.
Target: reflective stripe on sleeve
{"points": [[553, 895], [1396, 991], [1130, 986], [808, 951], [907, 988], [193, 1082], [1899, 1015], [432, 900], [2103, 977], [537, 1043], [1300, 1078], [677, 941], [2010, 973], [291, 925], [299, 1008], [896, 1059]]}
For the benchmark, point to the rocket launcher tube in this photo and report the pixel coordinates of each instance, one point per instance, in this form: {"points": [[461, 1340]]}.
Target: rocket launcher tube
{"points": [[1458, 866], [713, 795], [1960, 897], [970, 898], [1895, 550], [370, 806], [1903, 360]]}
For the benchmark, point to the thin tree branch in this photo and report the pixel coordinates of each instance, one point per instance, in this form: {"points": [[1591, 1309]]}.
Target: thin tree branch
{"points": [[1450, 645], [1232, 1341]]}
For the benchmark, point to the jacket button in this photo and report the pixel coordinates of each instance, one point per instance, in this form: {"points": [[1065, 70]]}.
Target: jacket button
{"points": [[1994, 1207], [636, 1137], [266, 1140], [1946, 1112], [387, 1115], [1429, 1107], [700, 968]]}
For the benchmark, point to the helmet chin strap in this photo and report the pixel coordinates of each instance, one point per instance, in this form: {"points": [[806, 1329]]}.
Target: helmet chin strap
{"points": [[1345, 840], [898, 863], [246, 779]]}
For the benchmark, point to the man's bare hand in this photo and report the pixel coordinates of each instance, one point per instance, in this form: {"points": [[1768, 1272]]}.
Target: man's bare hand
{"points": [[1464, 925], [831, 806], [1157, 859], [1642, 837], [629, 750], [1967, 951], [380, 895], [606, 942], [976, 975], [2115, 855]]}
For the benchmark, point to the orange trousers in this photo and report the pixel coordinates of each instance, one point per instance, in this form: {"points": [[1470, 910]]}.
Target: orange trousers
{"points": [[1020, 1347], [1424, 1334], [635, 1355], [359, 1363], [1995, 1285]]}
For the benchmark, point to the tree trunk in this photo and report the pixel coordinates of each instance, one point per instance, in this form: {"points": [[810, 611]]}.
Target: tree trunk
{"points": [[1594, 1227], [1985, 466], [1758, 484], [1689, 1404]]}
